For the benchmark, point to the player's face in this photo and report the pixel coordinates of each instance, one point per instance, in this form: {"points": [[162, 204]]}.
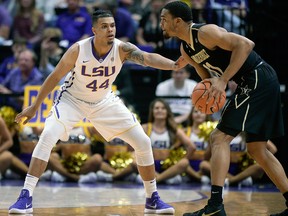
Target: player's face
{"points": [[104, 29], [166, 23]]}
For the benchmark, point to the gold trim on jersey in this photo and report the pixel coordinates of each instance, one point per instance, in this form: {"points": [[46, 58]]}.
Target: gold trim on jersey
{"points": [[200, 56]]}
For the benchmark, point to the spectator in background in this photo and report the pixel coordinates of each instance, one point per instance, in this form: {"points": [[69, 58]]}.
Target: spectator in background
{"points": [[178, 85], [149, 33], [5, 143], [29, 22], [136, 7], [10, 6], [10, 62], [75, 23], [125, 25], [25, 74], [230, 14], [48, 9], [5, 24], [9, 163], [50, 51]]}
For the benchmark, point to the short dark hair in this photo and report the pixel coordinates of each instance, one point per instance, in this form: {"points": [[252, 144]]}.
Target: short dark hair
{"points": [[100, 14], [179, 9]]}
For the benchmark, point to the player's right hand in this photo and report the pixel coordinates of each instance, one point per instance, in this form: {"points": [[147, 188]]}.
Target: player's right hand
{"points": [[26, 114]]}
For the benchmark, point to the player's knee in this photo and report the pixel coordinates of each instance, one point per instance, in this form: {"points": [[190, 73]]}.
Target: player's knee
{"points": [[46, 142], [218, 138], [143, 152]]}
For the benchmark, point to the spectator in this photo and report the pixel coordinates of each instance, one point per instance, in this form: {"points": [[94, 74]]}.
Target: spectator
{"points": [[178, 85], [75, 23], [10, 62], [243, 169], [48, 9], [5, 143], [125, 25], [29, 22], [190, 165], [13, 166], [10, 6], [165, 136], [230, 14], [149, 33], [5, 24], [50, 51], [25, 74]]}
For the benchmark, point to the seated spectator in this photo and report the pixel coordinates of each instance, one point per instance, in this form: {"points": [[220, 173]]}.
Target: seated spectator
{"points": [[5, 143], [125, 25], [25, 74], [149, 32], [136, 7], [75, 23], [190, 165], [5, 24], [48, 10], [50, 51], [230, 14], [243, 169], [10, 62], [178, 85], [73, 160], [28, 23], [10, 149], [165, 137]]}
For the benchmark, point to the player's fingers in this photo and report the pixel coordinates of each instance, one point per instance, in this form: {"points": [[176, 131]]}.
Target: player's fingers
{"points": [[26, 120], [18, 118]]}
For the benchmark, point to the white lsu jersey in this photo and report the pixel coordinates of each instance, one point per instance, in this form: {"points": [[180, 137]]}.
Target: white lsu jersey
{"points": [[91, 79]]}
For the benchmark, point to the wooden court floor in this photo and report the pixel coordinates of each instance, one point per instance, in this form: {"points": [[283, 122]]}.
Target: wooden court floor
{"points": [[247, 201]]}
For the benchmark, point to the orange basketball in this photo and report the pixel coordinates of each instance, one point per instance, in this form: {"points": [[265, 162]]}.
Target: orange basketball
{"points": [[199, 100]]}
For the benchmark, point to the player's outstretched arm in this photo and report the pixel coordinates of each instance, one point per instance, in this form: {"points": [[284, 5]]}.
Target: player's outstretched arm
{"points": [[66, 63], [132, 53]]}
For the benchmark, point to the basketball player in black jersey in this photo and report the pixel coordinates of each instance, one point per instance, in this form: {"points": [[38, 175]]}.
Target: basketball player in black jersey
{"points": [[220, 56]]}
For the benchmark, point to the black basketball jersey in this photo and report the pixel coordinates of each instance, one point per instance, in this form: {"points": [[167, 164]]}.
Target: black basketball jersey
{"points": [[216, 61]]}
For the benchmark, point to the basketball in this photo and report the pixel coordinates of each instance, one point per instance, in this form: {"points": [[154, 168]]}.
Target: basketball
{"points": [[199, 100]]}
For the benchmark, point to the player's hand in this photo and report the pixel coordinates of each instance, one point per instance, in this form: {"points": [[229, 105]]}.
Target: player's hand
{"points": [[218, 87], [26, 114], [180, 63]]}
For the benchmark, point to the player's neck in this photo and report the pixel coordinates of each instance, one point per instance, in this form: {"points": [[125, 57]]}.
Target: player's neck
{"points": [[184, 32], [101, 50]]}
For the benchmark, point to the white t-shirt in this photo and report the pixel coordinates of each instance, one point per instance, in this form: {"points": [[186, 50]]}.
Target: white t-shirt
{"points": [[177, 105]]}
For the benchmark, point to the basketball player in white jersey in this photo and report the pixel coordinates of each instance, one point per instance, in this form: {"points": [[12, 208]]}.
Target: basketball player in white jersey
{"points": [[91, 66]]}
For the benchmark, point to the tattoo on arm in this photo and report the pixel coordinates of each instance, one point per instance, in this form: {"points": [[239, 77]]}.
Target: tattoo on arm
{"points": [[133, 53]]}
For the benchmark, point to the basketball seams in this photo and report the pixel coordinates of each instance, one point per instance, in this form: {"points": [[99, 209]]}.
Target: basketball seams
{"points": [[200, 102]]}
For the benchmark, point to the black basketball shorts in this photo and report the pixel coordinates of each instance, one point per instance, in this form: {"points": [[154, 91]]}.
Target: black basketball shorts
{"points": [[255, 107]]}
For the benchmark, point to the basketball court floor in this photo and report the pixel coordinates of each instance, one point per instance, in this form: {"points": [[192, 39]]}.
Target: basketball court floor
{"points": [[127, 199]]}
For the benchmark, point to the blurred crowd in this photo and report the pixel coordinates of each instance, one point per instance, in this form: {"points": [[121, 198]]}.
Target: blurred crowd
{"points": [[34, 34]]}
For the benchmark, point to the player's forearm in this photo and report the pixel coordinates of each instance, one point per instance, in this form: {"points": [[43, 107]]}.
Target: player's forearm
{"points": [[157, 61]]}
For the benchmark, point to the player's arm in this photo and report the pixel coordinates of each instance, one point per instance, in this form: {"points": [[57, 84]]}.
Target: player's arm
{"points": [[202, 72], [66, 63], [132, 53], [212, 37]]}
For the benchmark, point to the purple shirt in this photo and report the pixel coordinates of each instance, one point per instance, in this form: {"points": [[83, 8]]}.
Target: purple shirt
{"points": [[14, 82], [125, 26], [5, 17], [6, 66], [74, 25]]}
